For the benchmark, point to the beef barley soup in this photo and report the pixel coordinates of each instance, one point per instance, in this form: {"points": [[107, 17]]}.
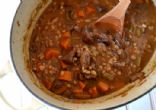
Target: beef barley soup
{"points": [[73, 59]]}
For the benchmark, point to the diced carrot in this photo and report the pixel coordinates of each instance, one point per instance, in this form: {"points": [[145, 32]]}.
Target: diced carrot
{"points": [[81, 13], [61, 90], [66, 34], [65, 42], [81, 84], [65, 75], [103, 86], [51, 53], [93, 91], [77, 91], [63, 65], [90, 10]]}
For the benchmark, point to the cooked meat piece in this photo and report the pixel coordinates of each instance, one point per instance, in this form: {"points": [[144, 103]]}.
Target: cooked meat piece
{"points": [[85, 57], [92, 35], [118, 39], [70, 56], [102, 38], [87, 64], [87, 35]]}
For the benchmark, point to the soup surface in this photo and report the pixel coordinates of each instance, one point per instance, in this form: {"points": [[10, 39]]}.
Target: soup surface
{"points": [[76, 60]]}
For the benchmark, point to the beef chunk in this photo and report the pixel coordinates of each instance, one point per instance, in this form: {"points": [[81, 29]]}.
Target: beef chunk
{"points": [[118, 39], [70, 56], [85, 57], [91, 35], [102, 38], [80, 53], [87, 64], [87, 33]]}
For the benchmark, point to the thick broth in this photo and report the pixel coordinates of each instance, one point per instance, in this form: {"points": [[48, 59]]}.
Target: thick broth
{"points": [[74, 60]]}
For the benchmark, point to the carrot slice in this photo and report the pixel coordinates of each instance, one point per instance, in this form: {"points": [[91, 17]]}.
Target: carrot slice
{"points": [[93, 91], [103, 86], [63, 65], [65, 42], [81, 85], [80, 13], [90, 10], [51, 53], [65, 76], [61, 90]]}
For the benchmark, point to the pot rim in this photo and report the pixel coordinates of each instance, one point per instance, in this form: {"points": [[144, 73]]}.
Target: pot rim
{"points": [[37, 96]]}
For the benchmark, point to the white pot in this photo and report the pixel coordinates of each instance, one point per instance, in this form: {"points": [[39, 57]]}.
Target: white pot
{"points": [[25, 18]]}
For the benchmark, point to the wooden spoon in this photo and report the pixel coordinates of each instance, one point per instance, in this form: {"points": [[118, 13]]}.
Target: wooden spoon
{"points": [[114, 19]]}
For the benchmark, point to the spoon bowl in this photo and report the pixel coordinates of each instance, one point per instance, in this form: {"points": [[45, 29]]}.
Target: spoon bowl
{"points": [[114, 19]]}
